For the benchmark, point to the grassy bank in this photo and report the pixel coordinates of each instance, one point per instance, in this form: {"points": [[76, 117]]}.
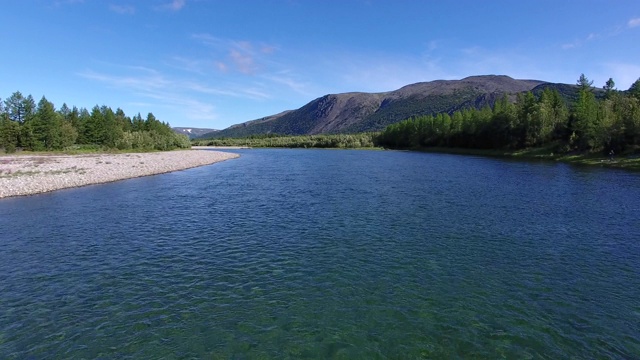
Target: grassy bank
{"points": [[629, 160], [83, 150], [332, 141]]}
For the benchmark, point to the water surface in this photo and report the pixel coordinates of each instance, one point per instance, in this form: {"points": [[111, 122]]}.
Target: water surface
{"points": [[328, 254]]}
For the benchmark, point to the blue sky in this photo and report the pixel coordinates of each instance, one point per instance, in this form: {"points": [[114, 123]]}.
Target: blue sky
{"points": [[214, 63]]}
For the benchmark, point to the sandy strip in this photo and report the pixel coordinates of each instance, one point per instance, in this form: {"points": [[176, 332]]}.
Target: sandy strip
{"points": [[219, 147], [28, 175]]}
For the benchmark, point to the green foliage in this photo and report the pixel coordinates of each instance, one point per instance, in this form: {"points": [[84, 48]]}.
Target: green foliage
{"points": [[585, 122], [30, 127], [368, 115], [609, 123], [340, 141], [9, 134], [19, 108], [634, 90], [583, 83], [609, 88], [47, 128]]}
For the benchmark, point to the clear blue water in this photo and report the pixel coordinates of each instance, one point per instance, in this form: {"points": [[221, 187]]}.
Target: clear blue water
{"points": [[328, 254]]}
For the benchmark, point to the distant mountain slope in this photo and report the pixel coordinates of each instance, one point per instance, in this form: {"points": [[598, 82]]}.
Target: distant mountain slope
{"points": [[192, 132], [358, 112]]}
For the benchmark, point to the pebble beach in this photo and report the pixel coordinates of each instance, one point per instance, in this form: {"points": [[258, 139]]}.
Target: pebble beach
{"points": [[34, 174]]}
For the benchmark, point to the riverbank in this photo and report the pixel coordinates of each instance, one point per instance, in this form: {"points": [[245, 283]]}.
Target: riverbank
{"points": [[220, 147], [27, 174], [622, 161]]}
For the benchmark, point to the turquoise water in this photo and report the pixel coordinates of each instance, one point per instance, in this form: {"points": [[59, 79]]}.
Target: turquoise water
{"points": [[328, 254]]}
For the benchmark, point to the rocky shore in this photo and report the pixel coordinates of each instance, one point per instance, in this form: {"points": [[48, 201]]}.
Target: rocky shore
{"points": [[34, 174]]}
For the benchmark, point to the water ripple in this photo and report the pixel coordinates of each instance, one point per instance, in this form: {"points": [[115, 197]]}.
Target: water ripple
{"points": [[327, 254]]}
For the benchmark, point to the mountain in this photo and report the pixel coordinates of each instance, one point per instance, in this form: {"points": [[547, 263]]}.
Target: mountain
{"points": [[357, 111], [193, 132]]}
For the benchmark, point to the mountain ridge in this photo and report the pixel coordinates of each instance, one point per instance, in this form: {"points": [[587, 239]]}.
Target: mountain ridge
{"points": [[353, 112], [193, 132]]}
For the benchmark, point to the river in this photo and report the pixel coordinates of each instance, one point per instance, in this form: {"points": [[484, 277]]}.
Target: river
{"points": [[328, 254]]}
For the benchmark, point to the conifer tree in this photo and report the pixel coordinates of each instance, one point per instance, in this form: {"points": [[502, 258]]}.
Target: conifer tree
{"points": [[9, 133], [634, 90], [584, 84], [609, 87], [18, 107]]}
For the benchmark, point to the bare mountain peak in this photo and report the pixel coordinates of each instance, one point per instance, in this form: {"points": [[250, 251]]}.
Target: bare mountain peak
{"points": [[192, 132]]}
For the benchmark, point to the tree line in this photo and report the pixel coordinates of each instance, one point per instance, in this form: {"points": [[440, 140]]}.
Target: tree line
{"points": [[341, 141], [607, 122], [41, 127]]}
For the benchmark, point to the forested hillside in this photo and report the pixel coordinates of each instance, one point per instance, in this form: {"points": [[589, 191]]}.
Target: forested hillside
{"points": [[611, 123], [37, 127], [356, 112]]}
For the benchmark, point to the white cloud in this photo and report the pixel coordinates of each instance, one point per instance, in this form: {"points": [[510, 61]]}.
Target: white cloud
{"points": [[150, 83], [268, 49], [286, 79], [635, 22], [123, 9], [432, 45], [255, 93], [374, 72], [379, 73], [65, 2], [243, 61], [243, 56], [188, 64], [222, 67], [176, 95], [208, 39], [138, 83], [174, 5]]}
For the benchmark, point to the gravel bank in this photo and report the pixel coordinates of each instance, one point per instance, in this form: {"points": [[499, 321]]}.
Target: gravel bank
{"points": [[28, 175]]}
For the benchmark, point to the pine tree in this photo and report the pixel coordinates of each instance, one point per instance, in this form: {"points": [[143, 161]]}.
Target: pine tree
{"points": [[19, 108], [9, 133], [634, 90], [46, 127], [94, 127], [584, 84], [609, 88], [111, 131], [585, 120]]}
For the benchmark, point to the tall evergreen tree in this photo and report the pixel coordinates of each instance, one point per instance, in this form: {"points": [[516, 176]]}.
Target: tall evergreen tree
{"points": [[634, 90], [137, 124], [9, 133], [46, 126], [81, 124], [123, 121], [94, 127], [584, 84], [19, 108], [111, 132], [585, 120], [609, 88]]}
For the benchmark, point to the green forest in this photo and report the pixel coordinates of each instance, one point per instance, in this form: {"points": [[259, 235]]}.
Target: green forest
{"points": [[608, 122], [40, 127], [336, 141], [598, 120]]}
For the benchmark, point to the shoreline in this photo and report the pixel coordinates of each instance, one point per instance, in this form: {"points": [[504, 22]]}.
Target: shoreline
{"points": [[623, 162], [25, 174], [220, 147]]}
